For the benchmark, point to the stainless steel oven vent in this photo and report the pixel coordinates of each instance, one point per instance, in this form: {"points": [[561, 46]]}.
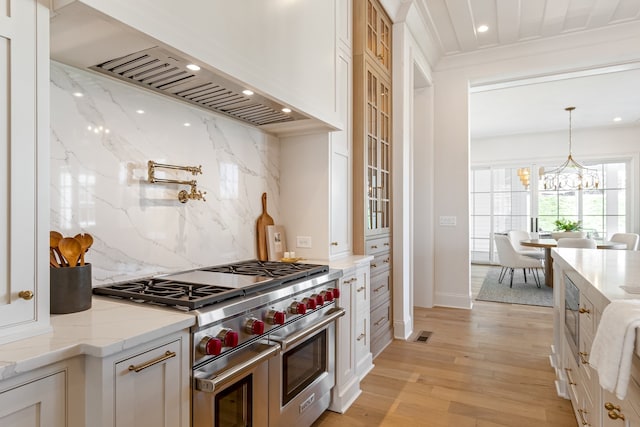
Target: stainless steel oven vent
{"points": [[166, 73]]}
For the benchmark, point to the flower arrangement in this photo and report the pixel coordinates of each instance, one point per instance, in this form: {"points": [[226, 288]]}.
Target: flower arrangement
{"points": [[568, 225]]}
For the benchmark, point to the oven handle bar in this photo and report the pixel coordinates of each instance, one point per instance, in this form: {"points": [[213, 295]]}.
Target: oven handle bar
{"points": [[210, 384], [298, 336]]}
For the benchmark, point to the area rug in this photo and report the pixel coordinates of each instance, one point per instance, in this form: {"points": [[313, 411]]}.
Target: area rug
{"points": [[521, 293]]}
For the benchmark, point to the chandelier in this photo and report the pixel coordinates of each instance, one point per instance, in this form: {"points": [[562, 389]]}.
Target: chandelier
{"points": [[570, 175]]}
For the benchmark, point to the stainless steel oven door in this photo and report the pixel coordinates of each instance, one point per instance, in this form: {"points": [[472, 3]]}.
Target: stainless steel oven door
{"points": [[232, 391], [302, 375]]}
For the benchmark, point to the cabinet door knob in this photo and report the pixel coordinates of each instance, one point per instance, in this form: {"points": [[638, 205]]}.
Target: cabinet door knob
{"points": [[25, 295]]}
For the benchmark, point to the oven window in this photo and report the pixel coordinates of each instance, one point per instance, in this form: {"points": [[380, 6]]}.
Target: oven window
{"points": [[234, 405], [302, 365]]}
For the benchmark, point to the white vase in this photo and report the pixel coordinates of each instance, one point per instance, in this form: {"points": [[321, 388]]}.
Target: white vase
{"points": [[557, 235]]}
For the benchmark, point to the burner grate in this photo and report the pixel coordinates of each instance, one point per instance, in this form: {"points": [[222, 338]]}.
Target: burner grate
{"points": [[170, 293]]}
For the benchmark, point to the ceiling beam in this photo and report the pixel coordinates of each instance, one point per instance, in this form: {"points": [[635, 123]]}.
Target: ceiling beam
{"points": [[462, 21], [508, 21], [555, 13]]}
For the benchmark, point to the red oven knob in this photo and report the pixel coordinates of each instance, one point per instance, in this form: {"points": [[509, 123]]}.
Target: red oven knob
{"points": [[327, 295], [254, 326], [211, 346], [310, 302], [228, 337], [335, 292], [276, 317], [319, 299], [297, 308]]}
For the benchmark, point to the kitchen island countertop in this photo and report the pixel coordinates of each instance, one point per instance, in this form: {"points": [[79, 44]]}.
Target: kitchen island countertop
{"points": [[108, 327]]}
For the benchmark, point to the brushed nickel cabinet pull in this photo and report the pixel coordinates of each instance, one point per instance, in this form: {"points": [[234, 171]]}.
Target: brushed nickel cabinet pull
{"points": [[374, 246], [167, 355], [380, 321], [360, 289], [386, 243], [378, 288], [360, 337]]}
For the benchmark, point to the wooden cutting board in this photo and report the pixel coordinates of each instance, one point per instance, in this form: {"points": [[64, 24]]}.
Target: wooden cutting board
{"points": [[261, 230]]}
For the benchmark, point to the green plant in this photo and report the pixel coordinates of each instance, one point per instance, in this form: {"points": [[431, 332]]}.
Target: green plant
{"points": [[568, 225]]}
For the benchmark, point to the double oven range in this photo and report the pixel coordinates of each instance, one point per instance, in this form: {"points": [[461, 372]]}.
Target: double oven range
{"points": [[263, 347]]}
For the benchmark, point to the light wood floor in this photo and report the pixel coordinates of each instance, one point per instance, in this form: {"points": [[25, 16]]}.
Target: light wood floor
{"points": [[486, 367]]}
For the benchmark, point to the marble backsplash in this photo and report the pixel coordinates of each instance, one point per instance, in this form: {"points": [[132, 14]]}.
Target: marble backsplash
{"points": [[104, 132]]}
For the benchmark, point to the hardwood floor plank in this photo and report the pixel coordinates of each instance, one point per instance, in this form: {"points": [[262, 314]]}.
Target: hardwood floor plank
{"points": [[485, 367]]}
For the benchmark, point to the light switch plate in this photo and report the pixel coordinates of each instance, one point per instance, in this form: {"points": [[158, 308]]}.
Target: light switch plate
{"points": [[303, 242], [449, 221]]}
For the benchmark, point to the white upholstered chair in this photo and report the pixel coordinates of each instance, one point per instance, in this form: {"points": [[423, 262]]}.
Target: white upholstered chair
{"points": [[510, 260], [516, 236], [574, 242], [631, 239]]}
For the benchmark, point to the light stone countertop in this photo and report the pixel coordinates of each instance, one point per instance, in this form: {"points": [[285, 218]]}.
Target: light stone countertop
{"points": [[606, 270], [108, 327]]}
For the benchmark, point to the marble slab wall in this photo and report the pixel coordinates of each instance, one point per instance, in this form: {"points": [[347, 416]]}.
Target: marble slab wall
{"points": [[104, 132]]}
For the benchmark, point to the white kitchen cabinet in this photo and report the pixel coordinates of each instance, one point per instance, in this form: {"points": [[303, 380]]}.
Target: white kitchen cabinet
{"points": [[24, 158], [148, 385], [353, 357], [52, 396], [37, 401]]}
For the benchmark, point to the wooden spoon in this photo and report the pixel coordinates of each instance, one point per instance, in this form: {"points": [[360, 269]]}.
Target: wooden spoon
{"points": [[86, 240], [70, 249], [54, 239]]}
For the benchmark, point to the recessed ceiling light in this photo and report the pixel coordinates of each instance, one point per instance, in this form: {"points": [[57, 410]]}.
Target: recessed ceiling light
{"points": [[247, 92], [286, 110], [617, 119], [187, 124], [483, 28], [140, 111], [193, 67], [78, 94]]}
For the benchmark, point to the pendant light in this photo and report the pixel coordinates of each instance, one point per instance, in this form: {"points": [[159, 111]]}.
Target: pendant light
{"points": [[570, 175]]}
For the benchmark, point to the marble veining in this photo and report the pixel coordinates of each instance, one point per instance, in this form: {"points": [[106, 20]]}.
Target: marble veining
{"points": [[103, 132]]}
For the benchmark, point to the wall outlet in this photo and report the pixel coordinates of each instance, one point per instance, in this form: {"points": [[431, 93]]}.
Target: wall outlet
{"points": [[449, 221], [303, 242]]}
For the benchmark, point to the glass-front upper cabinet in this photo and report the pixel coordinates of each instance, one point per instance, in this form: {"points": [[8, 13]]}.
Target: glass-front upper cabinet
{"points": [[378, 134]]}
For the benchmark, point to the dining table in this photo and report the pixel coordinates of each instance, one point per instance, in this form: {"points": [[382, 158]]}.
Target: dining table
{"points": [[548, 244]]}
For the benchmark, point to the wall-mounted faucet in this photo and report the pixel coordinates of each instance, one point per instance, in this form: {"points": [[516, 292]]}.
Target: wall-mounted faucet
{"points": [[183, 195]]}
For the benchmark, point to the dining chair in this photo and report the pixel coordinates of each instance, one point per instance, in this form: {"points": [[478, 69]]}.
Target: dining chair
{"points": [[630, 239], [510, 260], [575, 242], [516, 236]]}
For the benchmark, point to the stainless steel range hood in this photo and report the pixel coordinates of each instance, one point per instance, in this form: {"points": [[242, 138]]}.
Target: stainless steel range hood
{"points": [[85, 38]]}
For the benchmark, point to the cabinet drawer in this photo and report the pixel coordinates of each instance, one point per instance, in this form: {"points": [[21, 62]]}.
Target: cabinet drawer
{"points": [[381, 244], [380, 263], [380, 288], [380, 318]]}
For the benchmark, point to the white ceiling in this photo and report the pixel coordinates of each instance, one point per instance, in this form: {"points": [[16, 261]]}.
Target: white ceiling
{"points": [[538, 105]]}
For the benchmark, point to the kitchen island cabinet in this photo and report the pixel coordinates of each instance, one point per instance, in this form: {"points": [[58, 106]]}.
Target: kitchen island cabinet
{"points": [[24, 158], [592, 278]]}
